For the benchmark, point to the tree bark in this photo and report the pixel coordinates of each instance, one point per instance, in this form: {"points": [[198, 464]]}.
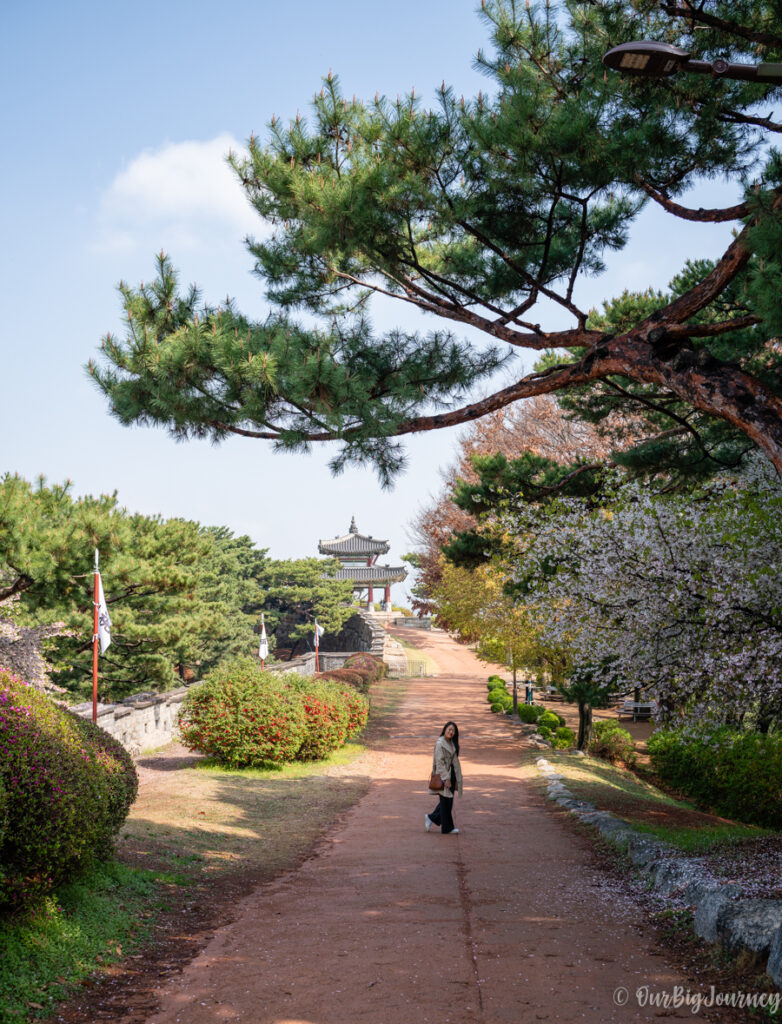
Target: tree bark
{"points": [[584, 724]]}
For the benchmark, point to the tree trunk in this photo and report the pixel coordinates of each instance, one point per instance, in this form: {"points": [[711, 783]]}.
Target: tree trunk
{"points": [[515, 695], [584, 724]]}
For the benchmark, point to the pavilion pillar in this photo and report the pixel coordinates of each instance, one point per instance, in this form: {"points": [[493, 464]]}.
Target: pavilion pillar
{"points": [[371, 598], [387, 598]]}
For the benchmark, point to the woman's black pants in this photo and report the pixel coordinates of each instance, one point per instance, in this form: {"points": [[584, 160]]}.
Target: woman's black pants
{"points": [[442, 815]]}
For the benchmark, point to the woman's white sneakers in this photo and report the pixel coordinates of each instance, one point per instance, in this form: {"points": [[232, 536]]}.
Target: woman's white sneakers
{"points": [[427, 822], [453, 832]]}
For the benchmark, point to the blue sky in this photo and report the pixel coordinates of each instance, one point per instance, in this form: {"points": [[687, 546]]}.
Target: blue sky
{"points": [[114, 123]]}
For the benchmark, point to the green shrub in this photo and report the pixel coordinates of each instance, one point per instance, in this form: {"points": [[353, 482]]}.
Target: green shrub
{"points": [[497, 679], [243, 716], [564, 738], [608, 740], [496, 694], [497, 708], [545, 732], [737, 774], [530, 713], [551, 720], [65, 789]]}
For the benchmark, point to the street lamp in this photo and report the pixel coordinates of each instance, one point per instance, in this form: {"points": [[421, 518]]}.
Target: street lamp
{"points": [[660, 60]]}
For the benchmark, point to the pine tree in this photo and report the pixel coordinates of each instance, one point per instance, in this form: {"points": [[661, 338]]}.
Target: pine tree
{"points": [[478, 211]]}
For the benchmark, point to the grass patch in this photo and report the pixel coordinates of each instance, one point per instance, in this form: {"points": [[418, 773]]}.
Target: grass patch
{"points": [[702, 840], [641, 804], [84, 926], [298, 770]]}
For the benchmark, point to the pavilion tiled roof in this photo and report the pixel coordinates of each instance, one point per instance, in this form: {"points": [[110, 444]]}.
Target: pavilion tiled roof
{"points": [[353, 543], [366, 574]]}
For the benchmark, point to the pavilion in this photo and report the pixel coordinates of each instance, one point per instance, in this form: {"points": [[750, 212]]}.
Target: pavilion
{"points": [[358, 555]]}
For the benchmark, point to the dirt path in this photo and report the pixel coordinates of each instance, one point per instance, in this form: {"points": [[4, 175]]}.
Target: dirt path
{"points": [[509, 921]]}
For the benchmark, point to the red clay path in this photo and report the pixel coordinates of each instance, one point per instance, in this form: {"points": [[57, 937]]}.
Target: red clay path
{"points": [[510, 921]]}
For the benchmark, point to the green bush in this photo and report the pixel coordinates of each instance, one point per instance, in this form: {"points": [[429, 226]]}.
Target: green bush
{"points": [[564, 738], [609, 741], [737, 774], [65, 789], [244, 716], [497, 679], [497, 694], [530, 713], [545, 732], [497, 708], [551, 720]]}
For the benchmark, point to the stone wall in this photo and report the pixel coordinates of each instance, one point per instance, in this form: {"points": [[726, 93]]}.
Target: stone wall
{"points": [[140, 722]]}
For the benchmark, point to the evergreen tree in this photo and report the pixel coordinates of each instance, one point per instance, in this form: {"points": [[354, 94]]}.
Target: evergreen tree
{"points": [[477, 211], [298, 591]]}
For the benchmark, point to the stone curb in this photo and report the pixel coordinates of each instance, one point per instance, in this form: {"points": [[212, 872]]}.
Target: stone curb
{"points": [[750, 925]]}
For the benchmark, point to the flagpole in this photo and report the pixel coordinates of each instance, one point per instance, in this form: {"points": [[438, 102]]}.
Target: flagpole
{"points": [[95, 641], [317, 647]]}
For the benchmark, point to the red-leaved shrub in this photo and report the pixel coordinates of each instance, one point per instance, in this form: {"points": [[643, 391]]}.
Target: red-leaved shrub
{"points": [[243, 716]]}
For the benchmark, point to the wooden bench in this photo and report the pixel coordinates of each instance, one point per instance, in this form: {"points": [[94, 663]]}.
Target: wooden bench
{"points": [[637, 710]]}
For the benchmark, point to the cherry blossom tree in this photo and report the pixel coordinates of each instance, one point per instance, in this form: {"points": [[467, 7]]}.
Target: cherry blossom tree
{"points": [[679, 594]]}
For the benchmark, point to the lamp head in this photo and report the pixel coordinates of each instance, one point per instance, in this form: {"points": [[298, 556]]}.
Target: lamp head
{"points": [[649, 59]]}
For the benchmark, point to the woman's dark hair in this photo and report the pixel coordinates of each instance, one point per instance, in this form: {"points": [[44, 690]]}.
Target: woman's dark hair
{"points": [[455, 739]]}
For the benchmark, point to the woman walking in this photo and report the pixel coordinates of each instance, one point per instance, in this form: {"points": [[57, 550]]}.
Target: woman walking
{"points": [[446, 764]]}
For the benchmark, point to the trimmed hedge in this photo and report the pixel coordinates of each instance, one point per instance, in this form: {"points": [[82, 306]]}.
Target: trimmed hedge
{"points": [[66, 787], [551, 720], [737, 774], [530, 713], [246, 717]]}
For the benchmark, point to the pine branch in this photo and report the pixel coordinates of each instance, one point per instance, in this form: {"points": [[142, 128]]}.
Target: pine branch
{"points": [[689, 13], [704, 216]]}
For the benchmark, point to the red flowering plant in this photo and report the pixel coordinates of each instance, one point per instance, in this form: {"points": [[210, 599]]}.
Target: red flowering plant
{"points": [[358, 710], [244, 717], [328, 717], [65, 789]]}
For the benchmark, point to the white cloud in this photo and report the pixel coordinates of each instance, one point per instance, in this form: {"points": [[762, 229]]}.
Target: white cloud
{"points": [[182, 196]]}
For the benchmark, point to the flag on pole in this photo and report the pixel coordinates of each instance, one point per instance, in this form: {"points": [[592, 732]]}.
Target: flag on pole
{"points": [[263, 650], [104, 619], [319, 631]]}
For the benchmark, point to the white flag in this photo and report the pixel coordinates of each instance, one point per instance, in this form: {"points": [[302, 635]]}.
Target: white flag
{"points": [[263, 650], [319, 631], [104, 619]]}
